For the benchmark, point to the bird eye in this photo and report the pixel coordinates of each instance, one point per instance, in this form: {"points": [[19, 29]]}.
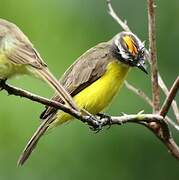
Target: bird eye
{"points": [[141, 52]]}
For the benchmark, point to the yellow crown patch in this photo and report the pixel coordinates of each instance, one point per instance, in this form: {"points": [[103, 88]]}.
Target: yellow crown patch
{"points": [[130, 45]]}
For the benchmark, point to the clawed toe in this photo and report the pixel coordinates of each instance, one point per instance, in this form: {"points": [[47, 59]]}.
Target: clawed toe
{"points": [[96, 129], [108, 119], [103, 120], [2, 81]]}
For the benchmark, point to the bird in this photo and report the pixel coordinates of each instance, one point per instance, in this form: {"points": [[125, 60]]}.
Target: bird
{"points": [[93, 80], [19, 57]]}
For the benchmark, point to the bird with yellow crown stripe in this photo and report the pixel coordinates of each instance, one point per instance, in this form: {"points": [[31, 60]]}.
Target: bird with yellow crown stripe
{"points": [[93, 80]]}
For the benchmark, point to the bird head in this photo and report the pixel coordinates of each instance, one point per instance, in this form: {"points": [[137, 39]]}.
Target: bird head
{"points": [[129, 49]]}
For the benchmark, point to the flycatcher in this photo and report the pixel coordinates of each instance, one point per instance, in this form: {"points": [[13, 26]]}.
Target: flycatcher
{"points": [[93, 80], [18, 57]]}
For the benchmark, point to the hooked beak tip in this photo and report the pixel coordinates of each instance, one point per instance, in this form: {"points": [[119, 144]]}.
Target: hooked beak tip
{"points": [[143, 68]]}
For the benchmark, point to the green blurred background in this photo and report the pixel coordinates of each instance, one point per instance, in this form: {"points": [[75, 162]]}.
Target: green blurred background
{"points": [[62, 30]]}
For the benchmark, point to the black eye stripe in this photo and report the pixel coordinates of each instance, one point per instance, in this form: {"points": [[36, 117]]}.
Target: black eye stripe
{"points": [[128, 52]]}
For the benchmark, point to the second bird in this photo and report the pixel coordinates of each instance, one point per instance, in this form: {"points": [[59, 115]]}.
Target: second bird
{"points": [[18, 57], [93, 80]]}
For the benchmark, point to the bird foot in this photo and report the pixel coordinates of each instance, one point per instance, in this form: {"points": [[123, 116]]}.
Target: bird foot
{"points": [[98, 125], [106, 117], [2, 82], [96, 129]]}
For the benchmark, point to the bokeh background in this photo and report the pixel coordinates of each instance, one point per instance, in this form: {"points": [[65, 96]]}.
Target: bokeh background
{"points": [[62, 30]]}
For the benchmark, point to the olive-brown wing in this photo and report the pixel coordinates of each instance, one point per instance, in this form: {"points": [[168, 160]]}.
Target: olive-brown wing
{"points": [[24, 53], [84, 71], [17, 46]]}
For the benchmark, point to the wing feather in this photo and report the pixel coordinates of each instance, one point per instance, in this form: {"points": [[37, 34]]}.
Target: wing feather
{"points": [[17, 46], [85, 70], [25, 54]]}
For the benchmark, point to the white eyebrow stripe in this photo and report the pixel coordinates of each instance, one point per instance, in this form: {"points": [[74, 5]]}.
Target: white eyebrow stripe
{"points": [[136, 42]]}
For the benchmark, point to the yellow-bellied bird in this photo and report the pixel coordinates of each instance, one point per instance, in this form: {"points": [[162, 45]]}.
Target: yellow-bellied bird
{"points": [[93, 80], [18, 57]]}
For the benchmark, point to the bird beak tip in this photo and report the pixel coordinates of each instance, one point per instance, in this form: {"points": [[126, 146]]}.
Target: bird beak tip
{"points": [[143, 68]]}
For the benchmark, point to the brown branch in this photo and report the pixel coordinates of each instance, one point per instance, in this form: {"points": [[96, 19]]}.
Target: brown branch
{"points": [[144, 119], [165, 89], [125, 27], [173, 91], [92, 121], [141, 94], [153, 55], [139, 118], [169, 142], [157, 129], [133, 118], [166, 92], [154, 122], [172, 147]]}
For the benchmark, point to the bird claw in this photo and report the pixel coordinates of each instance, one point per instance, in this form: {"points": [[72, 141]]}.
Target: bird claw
{"points": [[103, 120], [104, 116], [2, 81], [96, 128]]}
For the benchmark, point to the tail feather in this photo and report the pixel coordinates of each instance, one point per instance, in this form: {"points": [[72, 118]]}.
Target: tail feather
{"points": [[55, 84], [33, 141], [51, 80]]}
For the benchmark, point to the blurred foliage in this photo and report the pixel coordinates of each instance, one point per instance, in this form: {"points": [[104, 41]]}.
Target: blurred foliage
{"points": [[62, 30]]}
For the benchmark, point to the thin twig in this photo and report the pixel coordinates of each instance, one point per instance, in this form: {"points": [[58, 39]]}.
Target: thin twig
{"points": [[139, 118], [153, 55], [141, 94], [111, 11], [165, 89], [119, 120], [125, 27], [166, 92], [156, 129], [172, 147], [161, 130], [170, 144], [92, 121], [173, 91], [133, 118], [172, 123]]}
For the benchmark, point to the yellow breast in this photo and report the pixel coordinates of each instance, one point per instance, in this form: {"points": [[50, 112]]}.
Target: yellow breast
{"points": [[9, 69], [99, 94]]}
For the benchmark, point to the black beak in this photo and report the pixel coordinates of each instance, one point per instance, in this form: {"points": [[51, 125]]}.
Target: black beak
{"points": [[141, 66]]}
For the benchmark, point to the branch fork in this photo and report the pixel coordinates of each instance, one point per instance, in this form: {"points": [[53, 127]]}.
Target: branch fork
{"points": [[157, 121]]}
